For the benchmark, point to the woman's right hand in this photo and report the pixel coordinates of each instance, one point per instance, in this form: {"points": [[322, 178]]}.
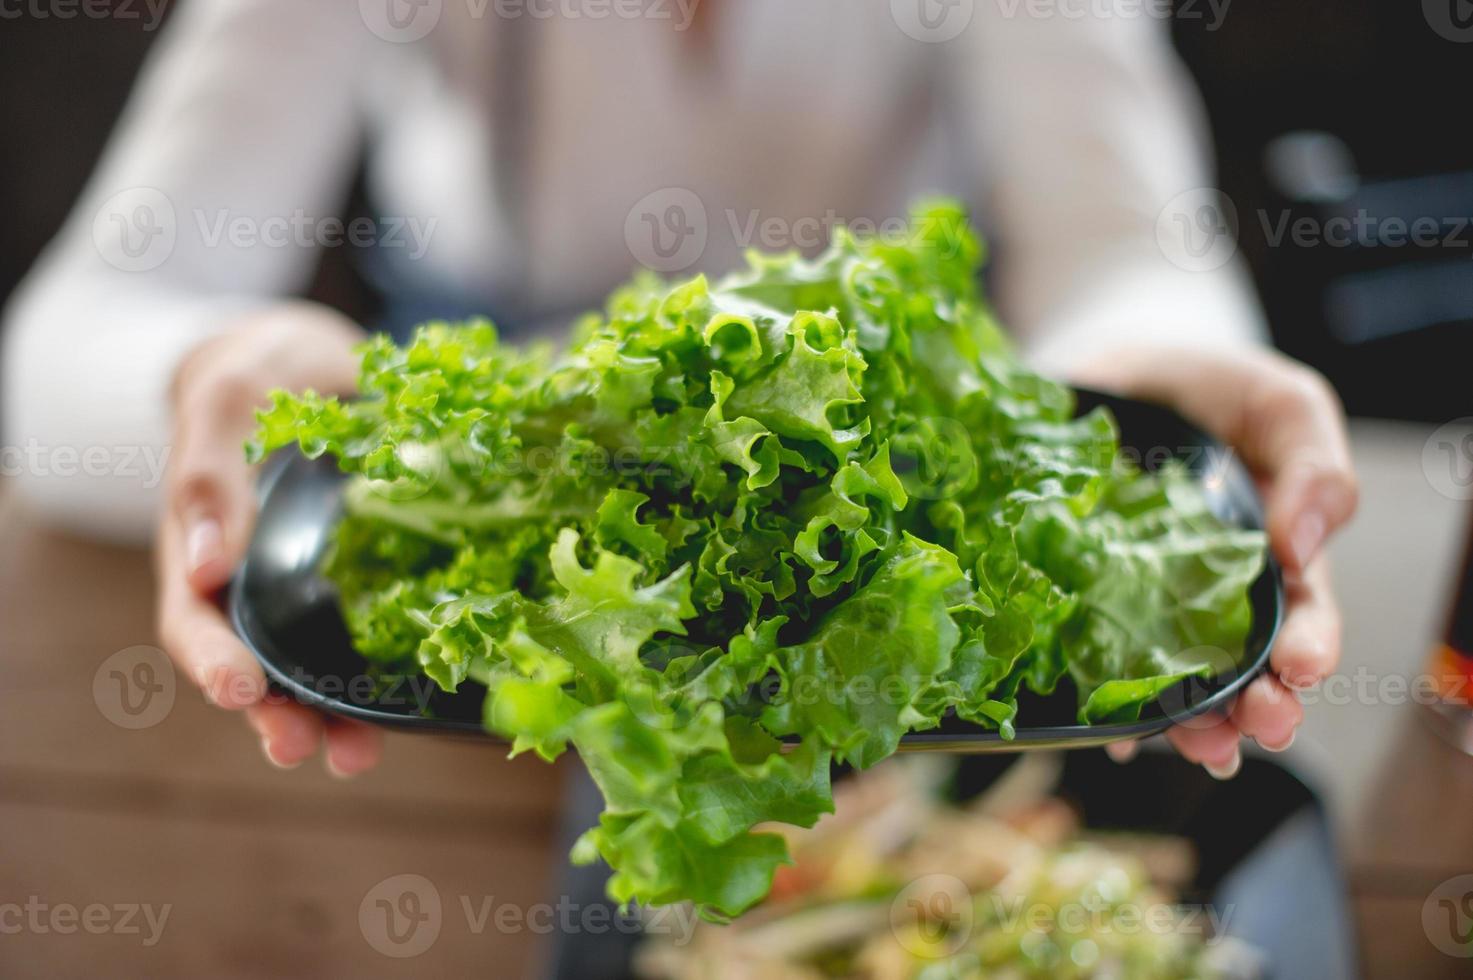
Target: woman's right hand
{"points": [[210, 508]]}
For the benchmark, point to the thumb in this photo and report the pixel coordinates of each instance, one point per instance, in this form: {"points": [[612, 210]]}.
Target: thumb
{"points": [[214, 509], [1310, 499]]}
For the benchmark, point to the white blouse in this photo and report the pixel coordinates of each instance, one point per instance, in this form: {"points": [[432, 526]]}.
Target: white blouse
{"points": [[525, 155]]}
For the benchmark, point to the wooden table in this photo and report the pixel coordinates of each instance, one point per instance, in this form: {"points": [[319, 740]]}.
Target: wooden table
{"points": [[265, 871]]}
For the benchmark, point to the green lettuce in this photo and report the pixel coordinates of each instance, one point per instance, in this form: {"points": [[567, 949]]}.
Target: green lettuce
{"points": [[739, 531]]}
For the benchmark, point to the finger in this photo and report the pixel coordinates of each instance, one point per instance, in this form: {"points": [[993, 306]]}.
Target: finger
{"points": [[1269, 713], [352, 747], [1215, 748], [1122, 752], [1294, 432], [212, 504], [1284, 418], [194, 633], [290, 732], [1307, 649]]}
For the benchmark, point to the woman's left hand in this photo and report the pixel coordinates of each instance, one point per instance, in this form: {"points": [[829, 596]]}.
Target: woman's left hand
{"points": [[1287, 422]]}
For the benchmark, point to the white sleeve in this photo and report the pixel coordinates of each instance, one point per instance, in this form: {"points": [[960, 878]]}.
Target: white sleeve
{"points": [[1092, 138], [245, 116]]}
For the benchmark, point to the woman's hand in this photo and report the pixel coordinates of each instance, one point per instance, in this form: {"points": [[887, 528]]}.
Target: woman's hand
{"points": [[210, 507], [1287, 423]]}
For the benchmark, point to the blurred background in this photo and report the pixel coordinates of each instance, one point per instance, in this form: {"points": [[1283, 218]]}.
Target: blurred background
{"points": [[1327, 114], [1318, 109]]}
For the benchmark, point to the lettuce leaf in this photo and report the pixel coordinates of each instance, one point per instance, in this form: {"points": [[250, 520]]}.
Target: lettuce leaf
{"points": [[738, 531]]}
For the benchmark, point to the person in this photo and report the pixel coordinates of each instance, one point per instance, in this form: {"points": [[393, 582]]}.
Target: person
{"points": [[533, 145]]}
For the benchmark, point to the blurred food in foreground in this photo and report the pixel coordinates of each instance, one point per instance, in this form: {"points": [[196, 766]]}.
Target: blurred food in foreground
{"points": [[901, 884]]}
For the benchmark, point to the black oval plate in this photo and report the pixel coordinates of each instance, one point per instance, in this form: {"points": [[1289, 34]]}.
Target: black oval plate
{"points": [[287, 613]]}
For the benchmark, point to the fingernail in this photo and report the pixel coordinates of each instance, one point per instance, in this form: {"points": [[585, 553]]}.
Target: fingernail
{"points": [[208, 677], [1122, 752], [1299, 682], [226, 687], [334, 771], [266, 747], [213, 682], [203, 543], [1307, 536], [1228, 771], [1278, 748]]}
